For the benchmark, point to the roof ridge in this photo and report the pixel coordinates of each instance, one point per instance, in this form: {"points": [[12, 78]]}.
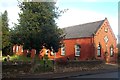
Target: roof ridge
{"points": [[82, 30], [83, 24]]}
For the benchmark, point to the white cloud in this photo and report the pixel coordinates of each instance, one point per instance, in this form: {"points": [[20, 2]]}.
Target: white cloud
{"points": [[12, 9], [75, 16], [13, 15], [114, 24]]}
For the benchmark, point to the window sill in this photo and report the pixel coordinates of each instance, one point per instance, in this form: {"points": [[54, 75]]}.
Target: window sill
{"points": [[77, 55], [111, 55], [62, 55], [99, 56]]}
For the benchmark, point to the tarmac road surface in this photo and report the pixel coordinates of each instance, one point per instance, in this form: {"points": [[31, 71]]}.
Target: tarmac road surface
{"points": [[101, 75]]}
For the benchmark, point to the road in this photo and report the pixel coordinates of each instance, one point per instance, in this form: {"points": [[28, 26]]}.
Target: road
{"points": [[100, 75]]}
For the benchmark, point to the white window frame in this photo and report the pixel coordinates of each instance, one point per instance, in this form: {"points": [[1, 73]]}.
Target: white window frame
{"points": [[46, 52], [99, 49], [52, 52], [77, 50], [111, 51], [62, 50]]}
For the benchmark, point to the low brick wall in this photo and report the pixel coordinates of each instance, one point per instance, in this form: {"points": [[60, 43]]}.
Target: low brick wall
{"points": [[10, 69], [70, 66]]}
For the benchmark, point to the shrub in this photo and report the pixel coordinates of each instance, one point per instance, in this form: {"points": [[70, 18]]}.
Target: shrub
{"points": [[45, 57]]}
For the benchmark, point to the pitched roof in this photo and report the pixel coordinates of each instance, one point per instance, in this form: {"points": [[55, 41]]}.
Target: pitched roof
{"points": [[82, 30]]}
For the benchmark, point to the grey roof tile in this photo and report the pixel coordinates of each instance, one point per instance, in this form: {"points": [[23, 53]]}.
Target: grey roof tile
{"points": [[82, 30]]}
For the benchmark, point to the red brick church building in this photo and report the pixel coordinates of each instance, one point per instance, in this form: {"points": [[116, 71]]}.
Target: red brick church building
{"points": [[94, 40]]}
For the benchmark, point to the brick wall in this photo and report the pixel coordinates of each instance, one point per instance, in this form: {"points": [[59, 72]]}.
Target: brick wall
{"points": [[86, 50], [70, 66], [105, 46]]}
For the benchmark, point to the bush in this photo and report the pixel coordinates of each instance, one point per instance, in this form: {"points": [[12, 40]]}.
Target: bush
{"points": [[45, 57], [42, 66], [17, 58], [7, 51], [28, 54]]}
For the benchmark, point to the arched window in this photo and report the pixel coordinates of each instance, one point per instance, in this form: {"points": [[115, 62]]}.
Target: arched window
{"points": [[62, 49], [111, 51], [77, 50], [99, 50]]}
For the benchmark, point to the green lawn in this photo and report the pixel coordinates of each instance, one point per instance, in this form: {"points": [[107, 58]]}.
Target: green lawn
{"points": [[39, 66], [0, 55], [17, 58], [24, 58], [20, 58]]}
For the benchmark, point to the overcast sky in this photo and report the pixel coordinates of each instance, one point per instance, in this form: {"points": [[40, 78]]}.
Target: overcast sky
{"points": [[80, 11]]}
